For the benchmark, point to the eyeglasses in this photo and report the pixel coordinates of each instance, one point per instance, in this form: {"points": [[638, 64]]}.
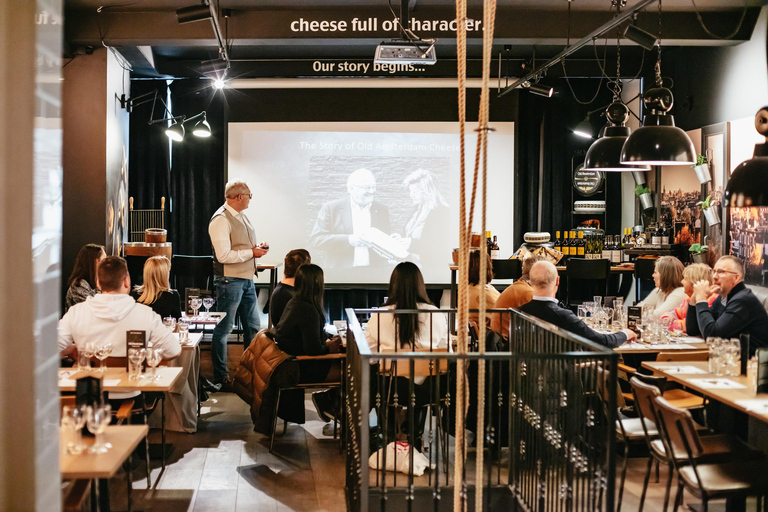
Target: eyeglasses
{"points": [[366, 188], [249, 196], [720, 271]]}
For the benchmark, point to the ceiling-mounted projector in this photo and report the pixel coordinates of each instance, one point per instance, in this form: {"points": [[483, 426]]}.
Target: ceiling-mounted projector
{"points": [[406, 52]]}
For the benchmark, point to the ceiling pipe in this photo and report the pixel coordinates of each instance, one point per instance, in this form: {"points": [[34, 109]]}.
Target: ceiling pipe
{"points": [[615, 22]]}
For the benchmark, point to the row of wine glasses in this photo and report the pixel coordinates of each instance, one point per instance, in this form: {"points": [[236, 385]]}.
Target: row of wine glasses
{"points": [[136, 356], [96, 417], [724, 356], [195, 302], [88, 350]]}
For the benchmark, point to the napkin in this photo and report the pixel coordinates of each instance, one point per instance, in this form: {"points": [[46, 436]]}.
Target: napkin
{"points": [[716, 384], [682, 369], [754, 404]]}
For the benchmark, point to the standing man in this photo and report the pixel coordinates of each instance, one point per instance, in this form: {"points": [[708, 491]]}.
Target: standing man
{"points": [[234, 263]]}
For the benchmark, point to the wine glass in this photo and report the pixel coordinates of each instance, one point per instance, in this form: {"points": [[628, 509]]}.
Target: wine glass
{"points": [[195, 303], [598, 300], [665, 322], [170, 322], [99, 417], [135, 358], [85, 353], [208, 304], [73, 419], [183, 331], [154, 356], [103, 350]]}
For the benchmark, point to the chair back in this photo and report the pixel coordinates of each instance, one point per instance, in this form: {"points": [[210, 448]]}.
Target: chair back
{"points": [[683, 355], [422, 368], [678, 428], [644, 268], [762, 370], [507, 269], [644, 394], [586, 278], [191, 271]]}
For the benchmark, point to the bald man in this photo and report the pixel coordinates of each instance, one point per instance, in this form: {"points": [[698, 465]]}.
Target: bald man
{"points": [[737, 310], [341, 223], [544, 281]]}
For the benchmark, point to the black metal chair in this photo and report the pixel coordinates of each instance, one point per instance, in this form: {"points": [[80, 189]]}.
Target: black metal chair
{"points": [[507, 269], [194, 271], [644, 284], [586, 278]]}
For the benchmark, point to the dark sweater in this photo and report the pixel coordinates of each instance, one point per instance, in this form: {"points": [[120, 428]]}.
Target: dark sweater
{"points": [[565, 319], [301, 333], [742, 314], [280, 297], [167, 303]]}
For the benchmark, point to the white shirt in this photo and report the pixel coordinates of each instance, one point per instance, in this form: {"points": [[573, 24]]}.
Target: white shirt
{"points": [[219, 230], [663, 304], [361, 222]]}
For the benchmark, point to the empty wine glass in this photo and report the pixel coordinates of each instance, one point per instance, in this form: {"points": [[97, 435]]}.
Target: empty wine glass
{"points": [[208, 304], [154, 356], [598, 300], [665, 322], [84, 354], [170, 322], [135, 358], [183, 331], [103, 350], [73, 419], [195, 303], [99, 416]]}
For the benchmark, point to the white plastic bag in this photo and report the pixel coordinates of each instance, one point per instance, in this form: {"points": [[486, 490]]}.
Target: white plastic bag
{"points": [[420, 462]]}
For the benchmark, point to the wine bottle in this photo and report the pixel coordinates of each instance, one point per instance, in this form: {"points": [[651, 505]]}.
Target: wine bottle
{"points": [[656, 235], [566, 245], [488, 242], [581, 245], [665, 235], [616, 252], [494, 249], [558, 243], [605, 253], [574, 245]]}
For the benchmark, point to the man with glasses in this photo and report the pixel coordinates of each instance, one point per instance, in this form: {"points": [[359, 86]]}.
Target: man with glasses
{"points": [[343, 227], [737, 311], [234, 263]]}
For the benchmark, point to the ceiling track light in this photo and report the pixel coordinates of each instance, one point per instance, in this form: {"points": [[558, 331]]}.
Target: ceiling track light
{"points": [[584, 128], [541, 90], [193, 13], [748, 185], [640, 36]]}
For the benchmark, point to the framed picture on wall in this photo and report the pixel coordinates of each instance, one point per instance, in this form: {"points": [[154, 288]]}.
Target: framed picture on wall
{"points": [[715, 146]]}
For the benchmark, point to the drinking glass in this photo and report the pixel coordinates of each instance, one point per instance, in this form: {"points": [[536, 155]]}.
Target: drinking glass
{"points": [[597, 300], [170, 322], [154, 356], [73, 419], [582, 312], [618, 303], [733, 368], [195, 303], [752, 374], [99, 416], [208, 304], [183, 331], [589, 309], [135, 358], [665, 322], [619, 316], [103, 350], [85, 352]]}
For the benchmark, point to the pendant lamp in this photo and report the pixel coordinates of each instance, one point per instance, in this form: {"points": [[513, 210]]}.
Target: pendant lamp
{"points": [[658, 141], [748, 185], [604, 154]]}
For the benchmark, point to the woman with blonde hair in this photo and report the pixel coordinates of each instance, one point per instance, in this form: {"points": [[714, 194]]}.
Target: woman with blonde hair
{"points": [[691, 275], [669, 292], [156, 291]]}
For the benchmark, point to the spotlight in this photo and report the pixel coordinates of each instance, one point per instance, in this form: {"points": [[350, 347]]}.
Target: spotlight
{"points": [[175, 132], [219, 83], [640, 36], [541, 90], [193, 13], [202, 128], [584, 128]]}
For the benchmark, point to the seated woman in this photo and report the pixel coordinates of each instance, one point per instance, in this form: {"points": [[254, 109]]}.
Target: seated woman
{"points": [[408, 332], [82, 281], [301, 333], [669, 292], [156, 291], [692, 274], [491, 293]]}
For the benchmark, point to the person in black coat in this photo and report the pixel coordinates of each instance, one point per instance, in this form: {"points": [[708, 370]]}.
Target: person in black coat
{"points": [[544, 281], [156, 291], [285, 289], [737, 311]]}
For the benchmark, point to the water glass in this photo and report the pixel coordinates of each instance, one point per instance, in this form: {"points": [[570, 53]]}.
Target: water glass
{"points": [[208, 304], [752, 374], [73, 419], [154, 356], [581, 311], [589, 309], [170, 322], [665, 322], [99, 416], [183, 331], [103, 350], [733, 367], [135, 358], [597, 300]]}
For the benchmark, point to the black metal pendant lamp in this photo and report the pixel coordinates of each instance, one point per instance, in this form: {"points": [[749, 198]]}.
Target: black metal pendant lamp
{"points": [[748, 185], [605, 153]]}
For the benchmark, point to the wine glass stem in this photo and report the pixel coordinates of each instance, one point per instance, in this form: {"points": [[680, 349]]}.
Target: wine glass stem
{"points": [[99, 442], [103, 366]]}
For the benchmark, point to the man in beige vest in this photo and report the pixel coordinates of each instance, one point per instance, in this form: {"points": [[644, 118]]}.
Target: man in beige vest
{"points": [[234, 264]]}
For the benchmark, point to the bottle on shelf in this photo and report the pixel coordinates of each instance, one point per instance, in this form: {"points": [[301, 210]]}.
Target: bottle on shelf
{"points": [[488, 242], [665, 235], [574, 245], [617, 253], [605, 252], [494, 249], [656, 235], [627, 245], [558, 243], [581, 245], [566, 245]]}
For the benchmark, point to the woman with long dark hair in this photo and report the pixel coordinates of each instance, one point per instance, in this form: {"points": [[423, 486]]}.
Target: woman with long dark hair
{"points": [[301, 332], [82, 281]]}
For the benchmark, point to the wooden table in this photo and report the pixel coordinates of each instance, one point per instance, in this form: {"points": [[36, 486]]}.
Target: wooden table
{"points": [[637, 348], [103, 466]]}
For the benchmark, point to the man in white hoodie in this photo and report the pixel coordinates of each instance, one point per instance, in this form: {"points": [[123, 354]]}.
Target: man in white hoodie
{"points": [[109, 315]]}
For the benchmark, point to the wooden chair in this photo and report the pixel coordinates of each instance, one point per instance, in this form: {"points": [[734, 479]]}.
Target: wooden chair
{"points": [[738, 477]]}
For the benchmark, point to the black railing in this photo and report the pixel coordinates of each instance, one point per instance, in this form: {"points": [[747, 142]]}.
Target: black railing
{"points": [[549, 416]]}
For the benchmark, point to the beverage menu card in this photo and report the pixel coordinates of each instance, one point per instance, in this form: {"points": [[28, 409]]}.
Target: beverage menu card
{"points": [[135, 339], [634, 315]]}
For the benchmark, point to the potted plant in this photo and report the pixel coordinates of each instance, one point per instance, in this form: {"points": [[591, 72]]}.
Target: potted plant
{"points": [[698, 253], [702, 169], [710, 213], [642, 191]]}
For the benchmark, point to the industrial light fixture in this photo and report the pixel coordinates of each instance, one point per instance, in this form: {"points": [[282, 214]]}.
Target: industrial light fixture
{"points": [[658, 141], [202, 128], [176, 130], [748, 185], [541, 90], [193, 13], [584, 128], [640, 36], [605, 152]]}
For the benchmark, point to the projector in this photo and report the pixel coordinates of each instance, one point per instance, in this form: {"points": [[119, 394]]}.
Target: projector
{"points": [[406, 52]]}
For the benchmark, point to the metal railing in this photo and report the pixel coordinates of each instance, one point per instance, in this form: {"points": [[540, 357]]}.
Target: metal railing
{"points": [[549, 410]]}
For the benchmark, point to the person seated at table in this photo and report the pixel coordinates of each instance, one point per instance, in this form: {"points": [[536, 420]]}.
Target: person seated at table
{"points": [[737, 311], [692, 274], [284, 291], [491, 293], [669, 291], [301, 332], [107, 316], [544, 305], [82, 280], [514, 296], [156, 291]]}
